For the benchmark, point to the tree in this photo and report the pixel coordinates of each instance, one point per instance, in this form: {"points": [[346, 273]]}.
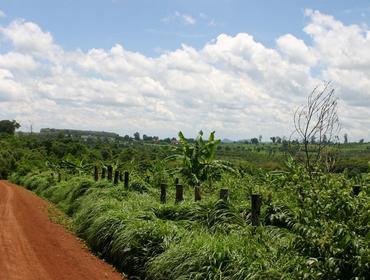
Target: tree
{"points": [[254, 141], [317, 118], [273, 139], [8, 127], [137, 136], [147, 138]]}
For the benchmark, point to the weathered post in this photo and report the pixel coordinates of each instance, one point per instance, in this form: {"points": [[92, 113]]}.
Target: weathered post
{"points": [[224, 194], [110, 172], [269, 199], [96, 173], [126, 180], [356, 189], [179, 193], [197, 194], [116, 177], [176, 181], [103, 173], [163, 193], [256, 208]]}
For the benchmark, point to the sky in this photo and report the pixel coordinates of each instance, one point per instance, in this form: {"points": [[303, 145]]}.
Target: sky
{"points": [[240, 68]]}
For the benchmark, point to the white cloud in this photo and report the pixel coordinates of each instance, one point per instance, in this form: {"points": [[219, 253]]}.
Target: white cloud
{"points": [[234, 84], [296, 50], [27, 37], [188, 19], [181, 17], [2, 14], [18, 61], [210, 21]]}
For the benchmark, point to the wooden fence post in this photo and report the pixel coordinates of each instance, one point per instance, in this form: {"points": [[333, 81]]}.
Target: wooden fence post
{"points": [[179, 193], [176, 181], [163, 193], [96, 173], [126, 179], [256, 208], [110, 172], [224, 194], [116, 177], [197, 194]]}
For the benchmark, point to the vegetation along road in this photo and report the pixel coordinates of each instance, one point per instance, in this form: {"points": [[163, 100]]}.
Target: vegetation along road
{"points": [[32, 247]]}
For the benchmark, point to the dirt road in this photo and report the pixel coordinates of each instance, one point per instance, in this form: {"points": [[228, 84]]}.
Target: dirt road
{"points": [[33, 248]]}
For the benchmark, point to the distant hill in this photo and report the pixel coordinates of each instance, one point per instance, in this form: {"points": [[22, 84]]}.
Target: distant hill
{"points": [[225, 140]]}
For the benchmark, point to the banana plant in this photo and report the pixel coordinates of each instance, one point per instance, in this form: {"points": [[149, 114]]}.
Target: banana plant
{"points": [[198, 159], [76, 166]]}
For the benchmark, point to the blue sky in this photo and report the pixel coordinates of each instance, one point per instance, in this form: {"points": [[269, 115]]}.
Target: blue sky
{"points": [[141, 26], [238, 67]]}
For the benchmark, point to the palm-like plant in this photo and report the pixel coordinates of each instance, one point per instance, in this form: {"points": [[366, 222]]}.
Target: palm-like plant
{"points": [[198, 159], [75, 166]]}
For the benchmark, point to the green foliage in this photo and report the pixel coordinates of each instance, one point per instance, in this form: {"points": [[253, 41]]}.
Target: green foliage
{"points": [[311, 228], [198, 159]]}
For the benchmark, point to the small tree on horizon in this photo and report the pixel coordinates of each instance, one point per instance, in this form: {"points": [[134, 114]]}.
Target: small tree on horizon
{"points": [[9, 127], [317, 119]]}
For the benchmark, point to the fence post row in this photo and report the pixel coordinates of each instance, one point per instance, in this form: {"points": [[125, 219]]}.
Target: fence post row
{"points": [[224, 193]]}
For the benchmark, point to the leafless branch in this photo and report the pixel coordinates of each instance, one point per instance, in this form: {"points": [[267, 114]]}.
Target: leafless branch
{"points": [[317, 119]]}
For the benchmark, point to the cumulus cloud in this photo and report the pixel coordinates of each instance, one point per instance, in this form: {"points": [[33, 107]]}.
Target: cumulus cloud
{"points": [[234, 84], [28, 38], [2, 14], [296, 50]]}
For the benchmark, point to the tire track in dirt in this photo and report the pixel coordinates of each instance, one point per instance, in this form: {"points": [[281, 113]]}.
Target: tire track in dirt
{"points": [[33, 248]]}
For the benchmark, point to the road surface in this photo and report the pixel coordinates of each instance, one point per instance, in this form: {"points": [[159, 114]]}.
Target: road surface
{"points": [[34, 248]]}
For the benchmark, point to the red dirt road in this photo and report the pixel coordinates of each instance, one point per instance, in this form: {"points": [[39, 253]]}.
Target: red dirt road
{"points": [[33, 248]]}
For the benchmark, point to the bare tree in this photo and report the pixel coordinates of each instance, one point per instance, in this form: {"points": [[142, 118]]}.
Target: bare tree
{"points": [[317, 119]]}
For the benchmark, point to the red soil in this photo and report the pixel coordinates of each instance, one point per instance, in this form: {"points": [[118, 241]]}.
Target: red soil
{"points": [[33, 248]]}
